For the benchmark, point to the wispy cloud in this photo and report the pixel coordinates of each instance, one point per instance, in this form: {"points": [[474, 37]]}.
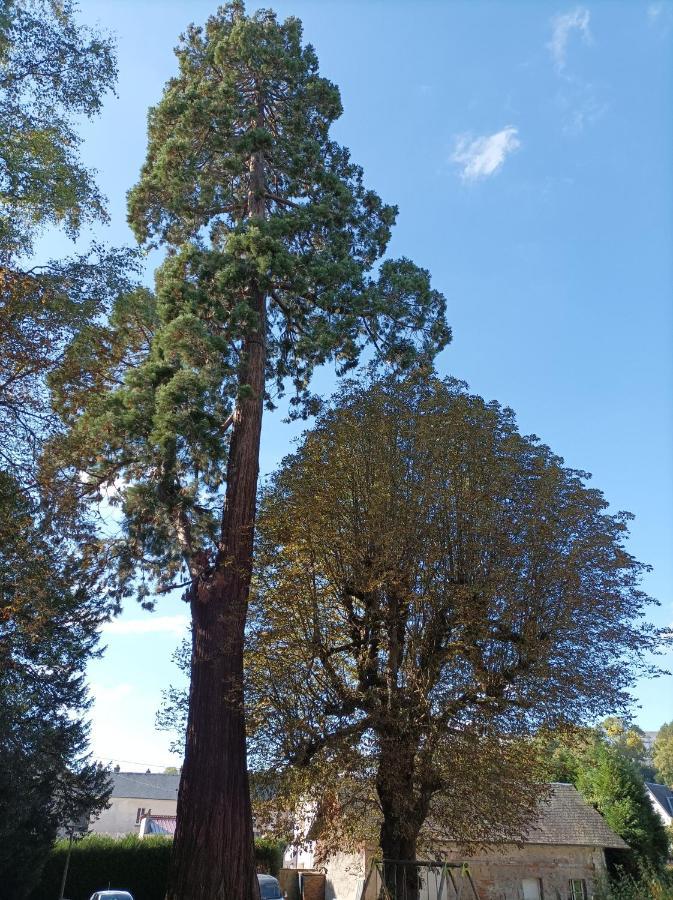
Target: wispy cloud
{"points": [[660, 15], [151, 625], [580, 106], [563, 26], [484, 156], [580, 101]]}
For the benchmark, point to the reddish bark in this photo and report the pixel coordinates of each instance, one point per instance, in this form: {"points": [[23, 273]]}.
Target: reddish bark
{"points": [[213, 853]]}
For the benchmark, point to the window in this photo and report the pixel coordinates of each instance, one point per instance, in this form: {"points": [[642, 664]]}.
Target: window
{"points": [[140, 814], [578, 889], [532, 888]]}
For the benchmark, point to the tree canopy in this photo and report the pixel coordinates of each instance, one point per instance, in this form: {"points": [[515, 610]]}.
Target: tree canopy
{"points": [[150, 397], [53, 71], [433, 587], [630, 740], [662, 754]]}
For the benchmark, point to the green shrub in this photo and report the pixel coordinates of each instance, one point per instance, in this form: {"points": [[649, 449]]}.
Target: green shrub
{"points": [[140, 867], [645, 886], [269, 855]]}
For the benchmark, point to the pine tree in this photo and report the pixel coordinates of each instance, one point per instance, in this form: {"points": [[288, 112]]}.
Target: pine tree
{"points": [[271, 240]]}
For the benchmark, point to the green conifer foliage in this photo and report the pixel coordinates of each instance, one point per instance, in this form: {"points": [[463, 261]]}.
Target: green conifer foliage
{"points": [[48, 622]]}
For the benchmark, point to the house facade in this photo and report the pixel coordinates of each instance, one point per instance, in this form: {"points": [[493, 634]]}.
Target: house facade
{"points": [[661, 798], [136, 795], [562, 858]]}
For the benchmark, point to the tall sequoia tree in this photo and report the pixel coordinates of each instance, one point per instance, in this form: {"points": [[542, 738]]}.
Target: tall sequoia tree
{"points": [[271, 238], [433, 588]]}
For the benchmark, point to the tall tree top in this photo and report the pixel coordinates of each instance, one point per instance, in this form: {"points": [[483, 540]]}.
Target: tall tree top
{"points": [[239, 152], [246, 86], [273, 243]]}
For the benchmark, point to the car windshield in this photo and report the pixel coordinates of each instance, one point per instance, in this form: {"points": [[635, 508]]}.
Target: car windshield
{"points": [[270, 890]]}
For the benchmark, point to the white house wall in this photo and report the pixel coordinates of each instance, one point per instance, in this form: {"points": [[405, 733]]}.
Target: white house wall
{"points": [[120, 818]]}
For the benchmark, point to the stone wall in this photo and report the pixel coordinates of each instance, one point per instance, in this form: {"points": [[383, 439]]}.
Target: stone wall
{"points": [[498, 873]]}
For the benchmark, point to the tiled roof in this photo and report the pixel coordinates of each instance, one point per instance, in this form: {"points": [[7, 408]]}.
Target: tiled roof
{"points": [[145, 786], [567, 819], [663, 795], [164, 825]]}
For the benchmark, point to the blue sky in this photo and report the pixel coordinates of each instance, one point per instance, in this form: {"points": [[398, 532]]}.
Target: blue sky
{"points": [[528, 146]]}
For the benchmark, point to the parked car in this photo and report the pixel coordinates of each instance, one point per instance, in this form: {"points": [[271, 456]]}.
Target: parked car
{"points": [[111, 895], [269, 888]]}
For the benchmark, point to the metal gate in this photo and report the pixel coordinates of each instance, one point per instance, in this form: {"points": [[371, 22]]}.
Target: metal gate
{"points": [[390, 879]]}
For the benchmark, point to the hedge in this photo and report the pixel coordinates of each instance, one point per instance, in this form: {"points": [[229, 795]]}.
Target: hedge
{"points": [[138, 866]]}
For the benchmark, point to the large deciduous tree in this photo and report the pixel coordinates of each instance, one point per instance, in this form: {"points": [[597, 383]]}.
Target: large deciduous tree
{"points": [[271, 237], [53, 71], [434, 587]]}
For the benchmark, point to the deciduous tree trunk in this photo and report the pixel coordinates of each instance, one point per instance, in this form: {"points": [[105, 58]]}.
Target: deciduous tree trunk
{"points": [[400, 825]]}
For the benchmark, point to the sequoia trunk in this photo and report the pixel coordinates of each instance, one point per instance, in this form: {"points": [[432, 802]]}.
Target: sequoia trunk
{"points": [[214, 850], [213, 853]]}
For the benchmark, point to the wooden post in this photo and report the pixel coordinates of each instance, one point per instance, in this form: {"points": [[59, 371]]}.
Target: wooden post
{"points": [[65, 868]]}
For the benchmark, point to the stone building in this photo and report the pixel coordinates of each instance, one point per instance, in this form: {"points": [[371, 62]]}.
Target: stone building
{"points": [[562, 858]]}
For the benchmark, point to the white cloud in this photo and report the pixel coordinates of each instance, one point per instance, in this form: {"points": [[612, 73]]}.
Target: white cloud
{"points": [[563, 26], [151, 625], [483, 156]]}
